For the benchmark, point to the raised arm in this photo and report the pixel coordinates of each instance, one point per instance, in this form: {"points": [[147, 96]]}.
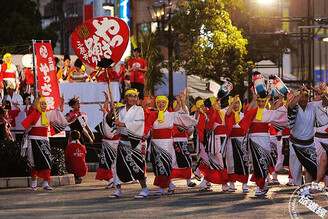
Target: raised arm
{"points": [[250, 106], [229, 110]]}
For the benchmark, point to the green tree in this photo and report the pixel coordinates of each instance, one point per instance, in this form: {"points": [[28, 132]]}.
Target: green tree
{"points": [[151, 52], [210, 45], [20, 23]]}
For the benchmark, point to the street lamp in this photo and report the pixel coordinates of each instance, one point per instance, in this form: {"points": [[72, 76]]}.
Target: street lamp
{"points": [[161, 13]]}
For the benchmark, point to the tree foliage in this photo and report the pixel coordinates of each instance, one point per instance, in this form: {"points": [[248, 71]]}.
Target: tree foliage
{"points": [[151, 52], [210, 45], [20, 23]]}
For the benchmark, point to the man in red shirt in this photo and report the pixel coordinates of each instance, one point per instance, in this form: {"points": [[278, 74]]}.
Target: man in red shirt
{"points": [[75, 157], [138, 68]]}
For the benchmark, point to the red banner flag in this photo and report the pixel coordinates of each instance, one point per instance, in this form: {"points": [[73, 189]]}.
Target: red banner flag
{"points": [[100, 38], [47, 76]]}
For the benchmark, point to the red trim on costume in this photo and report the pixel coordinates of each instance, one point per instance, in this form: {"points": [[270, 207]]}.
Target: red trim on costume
{"points": [[259, 181], [42, 174], [31, 119], [271, 169], [200, 126], [259, 127], [237, 132], [217, 176], [181, 173], [286, 132], [177, 134], [104, 174], [162, 181], [202, 167], [272, 130], [9, 75], [237, 177], [162, 133], [39, 131], [289, 174], [220, 130]]}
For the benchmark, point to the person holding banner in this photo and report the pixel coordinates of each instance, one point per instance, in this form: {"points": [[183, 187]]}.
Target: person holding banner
{"points": [[37, 146], [130, 123], [9, 72]]}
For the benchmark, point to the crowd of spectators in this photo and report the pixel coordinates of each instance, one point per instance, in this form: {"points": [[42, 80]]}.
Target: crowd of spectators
{"points": [[17, 85]]}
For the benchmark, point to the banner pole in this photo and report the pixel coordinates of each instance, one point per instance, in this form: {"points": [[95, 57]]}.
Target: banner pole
{"points": [[35, 71]]}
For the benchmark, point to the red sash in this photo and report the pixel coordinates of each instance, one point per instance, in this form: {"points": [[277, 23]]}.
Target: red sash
{"points": [[162, 133], [39, 131], [259, 127]]}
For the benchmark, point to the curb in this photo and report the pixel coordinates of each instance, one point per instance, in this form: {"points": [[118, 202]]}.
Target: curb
{"points": [[22, 182]]}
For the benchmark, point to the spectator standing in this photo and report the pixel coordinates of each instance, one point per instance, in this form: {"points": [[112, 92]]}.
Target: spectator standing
{"points": [[78, 75], [65, 72], [13, 97], [138, 68]]}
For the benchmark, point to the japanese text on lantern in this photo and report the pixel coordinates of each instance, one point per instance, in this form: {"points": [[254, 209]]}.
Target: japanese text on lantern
{"points": [[100, 44]]}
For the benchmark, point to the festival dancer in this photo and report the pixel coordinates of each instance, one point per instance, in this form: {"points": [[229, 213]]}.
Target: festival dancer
{"points": [[321, 136], [78, 121], [301, 116], [237, 150], [214, 142], [161, 147], [37, 125], [182, 167], [257, 120], [108, 147], [130, 163]]}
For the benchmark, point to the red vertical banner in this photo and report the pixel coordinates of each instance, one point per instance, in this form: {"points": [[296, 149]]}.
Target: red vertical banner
{"points": [[47, 75]]}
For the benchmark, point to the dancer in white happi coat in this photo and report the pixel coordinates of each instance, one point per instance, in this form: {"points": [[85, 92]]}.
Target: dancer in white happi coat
{"points": [[130, 162], [321, 138], [257, 120], [37, 126], [237, 155], [161, 147], [183, 167], [301, 116], [109, 145]]}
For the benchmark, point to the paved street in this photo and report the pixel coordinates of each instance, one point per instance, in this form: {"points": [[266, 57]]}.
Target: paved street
{"points": [[90, 199]]}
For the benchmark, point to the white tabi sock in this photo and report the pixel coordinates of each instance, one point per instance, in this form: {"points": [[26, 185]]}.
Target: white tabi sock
{"points": [[144, 191], [203, 184], [188, 181], [171, 186], [33, 184], [244, 185], [45, 184], [110, 180], [118, 192], [232, 184]]}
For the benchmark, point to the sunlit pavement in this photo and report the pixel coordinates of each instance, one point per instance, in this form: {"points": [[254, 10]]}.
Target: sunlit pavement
{"points": [[90, 199]]}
